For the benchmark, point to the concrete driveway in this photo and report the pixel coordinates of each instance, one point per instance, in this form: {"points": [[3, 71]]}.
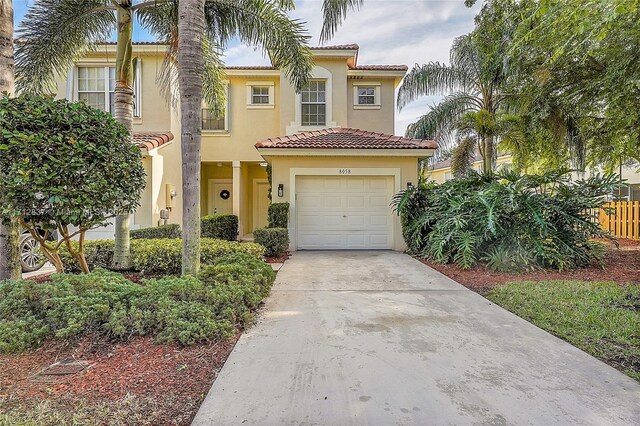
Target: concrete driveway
{"points": [[377, 338]]}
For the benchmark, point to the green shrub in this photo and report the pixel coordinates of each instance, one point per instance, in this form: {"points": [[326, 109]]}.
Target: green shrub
{"points": [[510, 221], [99, 254], [221, 226], [158, 256], [274, 240], [183, 310], [171, 230], [164, 256], [278, 216]]}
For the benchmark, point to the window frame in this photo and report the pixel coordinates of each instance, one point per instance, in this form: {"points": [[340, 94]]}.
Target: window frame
{"points": [[376, 95], [222, 132], [137, 89], [317, 103], [270, 85]]}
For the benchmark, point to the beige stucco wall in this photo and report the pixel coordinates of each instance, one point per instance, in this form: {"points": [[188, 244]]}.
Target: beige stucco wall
{"points": [[155, 109], [439, 175], [282, 174], [375, 120]]}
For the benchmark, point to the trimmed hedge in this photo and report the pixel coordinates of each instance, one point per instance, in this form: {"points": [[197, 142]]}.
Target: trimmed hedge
{"points": [[163, 231], [274, 240], [182, 310], [278, 216], [158, 256], [222, 226]]}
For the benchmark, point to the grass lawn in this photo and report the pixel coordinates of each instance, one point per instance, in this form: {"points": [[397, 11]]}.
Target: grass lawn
{"points": [[601, 318]]}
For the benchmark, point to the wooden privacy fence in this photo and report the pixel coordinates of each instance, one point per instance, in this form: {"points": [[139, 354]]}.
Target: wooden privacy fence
{"points": [[623, 220]]}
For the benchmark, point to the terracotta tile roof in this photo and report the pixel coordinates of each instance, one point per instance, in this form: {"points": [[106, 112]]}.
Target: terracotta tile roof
{"points": [[151, 140], [345, 138], [250, 67], [352, 46], [143, 43], [380, 67]]}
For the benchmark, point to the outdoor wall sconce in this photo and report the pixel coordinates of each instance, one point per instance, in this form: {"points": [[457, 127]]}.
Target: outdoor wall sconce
{"points": [[409, 185], [280, 190]]}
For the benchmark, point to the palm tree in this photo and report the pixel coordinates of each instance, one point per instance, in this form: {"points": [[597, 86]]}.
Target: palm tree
{"points": [[191, 26], [468, 87], [9, 231], [57, 32]]}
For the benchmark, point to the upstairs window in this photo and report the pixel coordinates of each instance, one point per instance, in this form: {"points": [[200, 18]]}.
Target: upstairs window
{"points": [[97, 87], [213, 121], [366, 96], [259, 95], [314, 104]]}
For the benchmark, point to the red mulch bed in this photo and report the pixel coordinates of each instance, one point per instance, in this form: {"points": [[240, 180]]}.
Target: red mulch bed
{"points": [[174, 379], [277, 259], [621, 266]]}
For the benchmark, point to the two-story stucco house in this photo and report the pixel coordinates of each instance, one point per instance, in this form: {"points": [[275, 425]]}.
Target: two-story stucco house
{"points": [[331, 147]]}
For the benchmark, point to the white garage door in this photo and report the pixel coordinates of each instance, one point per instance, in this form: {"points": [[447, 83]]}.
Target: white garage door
{"points": [[344, 212]]}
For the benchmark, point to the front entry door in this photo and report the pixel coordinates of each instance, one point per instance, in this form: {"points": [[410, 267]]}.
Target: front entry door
{"points": [[220, 197]]}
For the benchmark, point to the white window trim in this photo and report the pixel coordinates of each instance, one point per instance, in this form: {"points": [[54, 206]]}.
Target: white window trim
{"points": [[376, 103], [72, 84], [318, 73], [227, 108], [251, 85]]}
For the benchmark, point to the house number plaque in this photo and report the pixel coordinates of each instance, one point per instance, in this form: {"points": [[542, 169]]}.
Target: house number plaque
{"points": [[345, 171]]}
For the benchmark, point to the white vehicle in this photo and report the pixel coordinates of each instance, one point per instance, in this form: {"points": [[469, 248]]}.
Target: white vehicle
{"points": [[31, 256]]}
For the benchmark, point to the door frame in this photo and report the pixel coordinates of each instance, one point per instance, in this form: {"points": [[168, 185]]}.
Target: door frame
{"points": [[210, 184], [393, 172], [256, 181]]}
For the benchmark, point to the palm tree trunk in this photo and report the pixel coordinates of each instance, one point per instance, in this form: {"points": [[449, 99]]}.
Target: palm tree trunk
{"points": [[191, 25], [123, 105], [489, 154], [9, 229]]}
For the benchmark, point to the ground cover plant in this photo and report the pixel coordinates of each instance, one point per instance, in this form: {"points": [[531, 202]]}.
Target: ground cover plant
{"points": [[508, 221], [602, 318], [185, 310]]}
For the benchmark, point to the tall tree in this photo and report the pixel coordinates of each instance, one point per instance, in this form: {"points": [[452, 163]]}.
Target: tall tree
{"points": [[58, 32], [9, 229], [191, 26], [470, 84]]}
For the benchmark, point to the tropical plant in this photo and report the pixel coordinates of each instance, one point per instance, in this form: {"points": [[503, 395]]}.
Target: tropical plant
{"points": [[191, 29], [54, 33], [9, 229], [510, 221], [471, 82], [65, 164]]}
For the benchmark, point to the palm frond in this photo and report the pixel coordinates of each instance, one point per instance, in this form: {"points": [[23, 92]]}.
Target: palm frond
{"points": [[440, 122], [263, 24], [53, 34], [463, 155], [334, 12], [431, 79]]}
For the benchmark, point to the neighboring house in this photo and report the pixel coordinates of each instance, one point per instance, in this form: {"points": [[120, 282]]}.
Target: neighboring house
{"points": [[441, 172], [331, 148]]}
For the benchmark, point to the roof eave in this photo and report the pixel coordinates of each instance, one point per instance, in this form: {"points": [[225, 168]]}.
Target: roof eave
{"points": [[346, 152]]}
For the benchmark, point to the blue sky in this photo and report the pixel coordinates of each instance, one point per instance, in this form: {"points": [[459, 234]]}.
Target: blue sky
{"points": [[388, 32]]}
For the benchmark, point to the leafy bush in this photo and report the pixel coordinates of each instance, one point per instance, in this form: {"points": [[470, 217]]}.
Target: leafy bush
{"points": [[182, 310], [171, 230], [222, 226], [65, 164], [511, 221], [278, 216], [98, 253], [160, 256], [274, 240]]}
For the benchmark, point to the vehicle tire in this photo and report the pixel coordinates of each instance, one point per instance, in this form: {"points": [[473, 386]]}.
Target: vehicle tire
{"points": [[31, 257]]}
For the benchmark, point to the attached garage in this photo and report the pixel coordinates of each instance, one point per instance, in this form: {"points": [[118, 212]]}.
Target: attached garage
{"points": [[340, 183], [344, 212]]}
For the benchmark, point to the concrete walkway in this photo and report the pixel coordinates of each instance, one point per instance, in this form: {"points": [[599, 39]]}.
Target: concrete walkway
{"points": [[377, 338]]}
